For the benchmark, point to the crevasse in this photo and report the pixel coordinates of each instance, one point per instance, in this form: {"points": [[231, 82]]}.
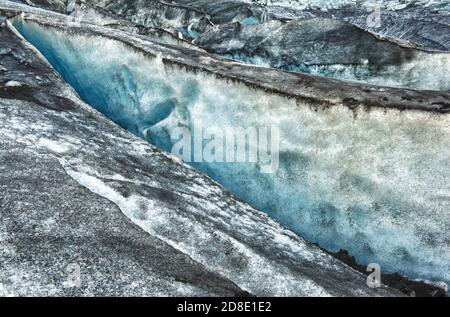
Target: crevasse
{"points": [[375, 183]]}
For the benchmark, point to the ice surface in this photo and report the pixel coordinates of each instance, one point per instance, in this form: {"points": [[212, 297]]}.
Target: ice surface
{"points": [[48, 134], [330, 48], [336, 4], [154, 219], [338, 44], [427, 71], [373, 182], [53, 146]]}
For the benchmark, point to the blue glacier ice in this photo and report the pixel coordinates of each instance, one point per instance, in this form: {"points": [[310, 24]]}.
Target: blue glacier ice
{"points": [[375, 183]]}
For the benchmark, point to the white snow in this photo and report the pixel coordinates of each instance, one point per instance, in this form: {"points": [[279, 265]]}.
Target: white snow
{"points": [[13, 83]]}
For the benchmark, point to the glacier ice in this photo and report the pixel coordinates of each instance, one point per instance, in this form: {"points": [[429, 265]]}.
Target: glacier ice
{"points": [[330, 48], [418, 23], [373, 182], [426, 71], [333, 44]]}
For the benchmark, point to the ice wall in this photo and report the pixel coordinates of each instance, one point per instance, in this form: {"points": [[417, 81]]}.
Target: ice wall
{"points": [[373, 182]]}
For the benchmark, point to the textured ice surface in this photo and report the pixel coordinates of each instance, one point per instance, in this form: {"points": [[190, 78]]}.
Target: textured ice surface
{"points": [[373, 182], [310, 41], [331, 48], [430, 71], [68, 175]]}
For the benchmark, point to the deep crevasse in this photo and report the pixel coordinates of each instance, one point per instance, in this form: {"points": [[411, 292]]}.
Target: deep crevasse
{"points": [[374, 183]]}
